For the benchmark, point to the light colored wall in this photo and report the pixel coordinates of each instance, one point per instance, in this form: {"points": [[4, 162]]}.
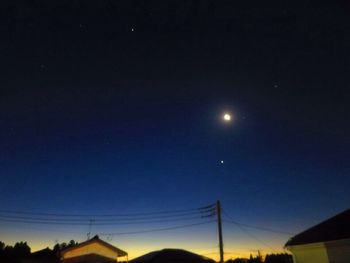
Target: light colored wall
{"points": [[338, 251], [310, 253], [92, 248]]}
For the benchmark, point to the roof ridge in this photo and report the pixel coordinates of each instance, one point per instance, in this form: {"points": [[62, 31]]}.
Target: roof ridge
{"points": [[333, 228], [96, 239]]}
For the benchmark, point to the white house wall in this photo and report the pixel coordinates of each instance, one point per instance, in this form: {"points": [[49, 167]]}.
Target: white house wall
{"points": [[339, 251], [92, 248], [310, 253]]}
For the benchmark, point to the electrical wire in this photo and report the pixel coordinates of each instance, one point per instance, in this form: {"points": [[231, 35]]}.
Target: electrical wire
{"points": [[95, 222], [259, 228], [240, 226], [257, 239], [167, 212], [41, 229], [32, 218], [255, 227], [155, 229], [126, 219], [167, 217]]}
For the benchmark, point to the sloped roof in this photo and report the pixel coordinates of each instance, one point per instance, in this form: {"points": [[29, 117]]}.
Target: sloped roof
{"points": [[335, 228], [96, 239], [172, 256], [45, 253]]}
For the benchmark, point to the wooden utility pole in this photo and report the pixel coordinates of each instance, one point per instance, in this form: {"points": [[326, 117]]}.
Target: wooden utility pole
{"points": [[221, 244]]}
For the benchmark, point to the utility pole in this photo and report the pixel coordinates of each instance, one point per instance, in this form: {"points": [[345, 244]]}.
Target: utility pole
{"points": [[221, 244]]}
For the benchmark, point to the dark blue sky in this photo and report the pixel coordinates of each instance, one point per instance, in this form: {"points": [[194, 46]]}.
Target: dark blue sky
{"points": [[109, 108]]}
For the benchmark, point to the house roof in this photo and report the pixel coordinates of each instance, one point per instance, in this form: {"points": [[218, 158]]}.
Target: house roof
{"points": [[172, 256], [96, 239], [335, 228], [46, 252]]}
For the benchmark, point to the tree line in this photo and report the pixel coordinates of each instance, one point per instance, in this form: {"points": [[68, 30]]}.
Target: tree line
{"points": [[14, 254], [21, 250], [270, 258]]}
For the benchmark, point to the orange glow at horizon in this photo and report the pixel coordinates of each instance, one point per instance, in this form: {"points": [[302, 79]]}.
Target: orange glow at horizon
{"points": [[203, 242], [231, 252]]}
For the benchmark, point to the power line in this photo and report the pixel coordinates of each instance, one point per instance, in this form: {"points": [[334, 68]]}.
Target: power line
{"points": [[250, 234], [256, 238], [166, 212], [138, 220], [32, 218], [255, 227], [126, 219], [40, 222], [259, 228], [155, 229], [33, 228], [97, 223]]}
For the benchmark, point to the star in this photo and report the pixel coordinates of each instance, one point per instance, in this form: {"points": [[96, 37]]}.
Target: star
{"points": [[222, 161]]}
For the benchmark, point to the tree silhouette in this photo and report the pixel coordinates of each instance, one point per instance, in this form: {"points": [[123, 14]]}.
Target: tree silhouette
{"points": [[278, 258], [14, 254], [60, 246], [2, 246], [270, 258], [256, 259]]}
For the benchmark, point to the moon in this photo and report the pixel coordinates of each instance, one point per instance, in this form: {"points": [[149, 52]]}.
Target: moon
{"points": [[227, 117]]}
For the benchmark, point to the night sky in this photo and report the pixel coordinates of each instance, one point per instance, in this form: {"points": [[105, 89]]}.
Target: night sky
{"points": [[116, 107]]}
